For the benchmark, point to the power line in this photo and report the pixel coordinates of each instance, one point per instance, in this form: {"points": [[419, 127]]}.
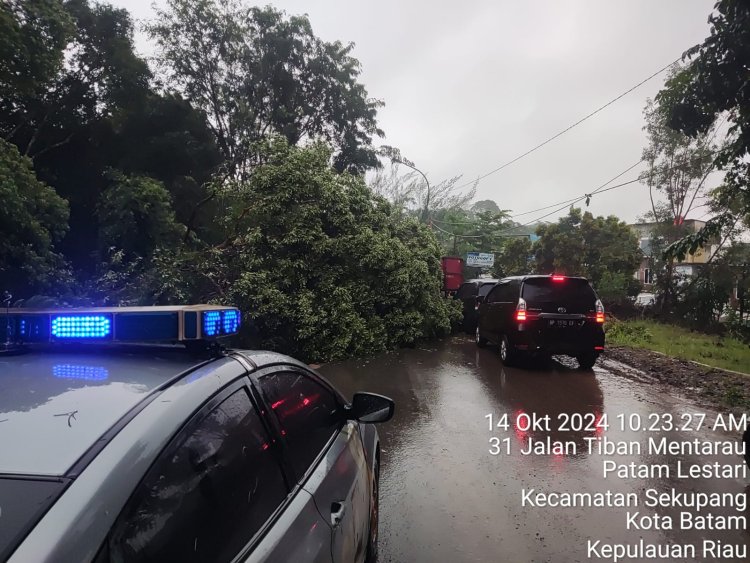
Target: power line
{"points": [[537, 219], [569, 204], [564, 203], [549, 140]]}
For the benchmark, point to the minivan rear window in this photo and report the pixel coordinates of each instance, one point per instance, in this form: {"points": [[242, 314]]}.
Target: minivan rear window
{"points": [[22, 503], [572, 293]]}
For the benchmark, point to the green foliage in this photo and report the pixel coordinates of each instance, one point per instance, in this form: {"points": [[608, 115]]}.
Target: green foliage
{"points": [[626, 333], [255, 71], [616, 287], [702, 300], [485, 205], [680, 342], [324, 269], [32, 219], [33, 34], [93, 109], [587, 246], [711, 87], [135, 215], [516, 258]]}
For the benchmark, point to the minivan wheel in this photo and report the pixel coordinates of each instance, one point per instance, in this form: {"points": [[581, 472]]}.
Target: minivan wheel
{"points": [[479, 339], [587, 361], [507, 354]]}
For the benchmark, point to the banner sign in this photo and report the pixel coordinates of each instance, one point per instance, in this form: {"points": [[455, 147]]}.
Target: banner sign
{"points": [[480, 259]]}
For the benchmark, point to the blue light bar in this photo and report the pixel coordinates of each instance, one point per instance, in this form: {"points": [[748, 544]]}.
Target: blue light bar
{"points": [[230, 321], [211, 323], [80, 327], [221, 323], [180, 323], [87, 373]]}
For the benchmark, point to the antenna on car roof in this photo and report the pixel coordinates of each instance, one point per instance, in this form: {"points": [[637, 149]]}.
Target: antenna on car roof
{"points": [[8, 345]]}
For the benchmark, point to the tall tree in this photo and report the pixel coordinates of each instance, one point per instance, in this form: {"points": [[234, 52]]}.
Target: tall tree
{"points": [[394, 186], [90, 108], [581, 244], [32, 219], [713, 86], [678, 166], [515, 258], [255, 71], [485, 205], [428, 198], [33, 35]]}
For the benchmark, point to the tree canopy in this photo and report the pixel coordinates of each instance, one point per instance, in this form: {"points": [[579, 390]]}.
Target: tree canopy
{"points": [[713, 86], [32, 219], [255, 71], [581, 244], [324, 268]]}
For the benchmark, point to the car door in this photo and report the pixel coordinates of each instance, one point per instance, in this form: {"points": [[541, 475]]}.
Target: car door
{"points": [[326, 455], [491, 312], [214, 492], [507, 306], [467, 294]]}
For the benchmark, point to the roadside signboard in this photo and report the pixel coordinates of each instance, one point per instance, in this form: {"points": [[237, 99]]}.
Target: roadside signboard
{"points": [[480, 259]]}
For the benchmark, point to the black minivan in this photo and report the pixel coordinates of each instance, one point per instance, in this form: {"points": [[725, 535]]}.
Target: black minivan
{"points": [[471, 294], [542, 316]]}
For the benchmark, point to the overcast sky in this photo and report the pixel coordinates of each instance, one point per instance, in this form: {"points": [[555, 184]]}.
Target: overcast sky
{"points": [[470, 85]]}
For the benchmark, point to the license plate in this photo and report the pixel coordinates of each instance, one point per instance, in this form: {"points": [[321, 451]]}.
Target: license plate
{"points": [[562, 323]]}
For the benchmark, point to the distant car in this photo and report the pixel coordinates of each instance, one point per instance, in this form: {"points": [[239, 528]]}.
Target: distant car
{"points": [[541, 316], [151, 453], [471, 294]]}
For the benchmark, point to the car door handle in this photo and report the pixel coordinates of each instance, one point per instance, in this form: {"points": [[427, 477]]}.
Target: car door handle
{"points": [[338, 510]]}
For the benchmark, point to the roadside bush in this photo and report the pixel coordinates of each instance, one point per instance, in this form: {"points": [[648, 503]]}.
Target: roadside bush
{"points": [[628, 333], [735, 328], [615, 290]]}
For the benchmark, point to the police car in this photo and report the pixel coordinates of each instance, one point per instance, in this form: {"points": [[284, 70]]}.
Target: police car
{"points": [[112, 450]]}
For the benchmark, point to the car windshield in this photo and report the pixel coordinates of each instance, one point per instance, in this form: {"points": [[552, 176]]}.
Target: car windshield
{"points": [[22, 503], [574, 294]]}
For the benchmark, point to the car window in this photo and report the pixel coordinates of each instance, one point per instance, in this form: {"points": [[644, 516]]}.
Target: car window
{"points": [[208, 494], [569, 292], [308, 414], [485, 289], [22, 504], [509, 293], [495, 294], [466, 290]]}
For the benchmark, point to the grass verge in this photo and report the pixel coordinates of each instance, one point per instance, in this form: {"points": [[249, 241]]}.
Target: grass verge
{"points": [[715, 351]]}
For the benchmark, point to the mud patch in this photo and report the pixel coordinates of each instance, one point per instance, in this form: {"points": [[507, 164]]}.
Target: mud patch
{"points": [[712, 386]]}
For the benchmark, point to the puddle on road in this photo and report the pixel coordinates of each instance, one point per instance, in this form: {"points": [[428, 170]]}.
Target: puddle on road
{"points": [[445, 498]]}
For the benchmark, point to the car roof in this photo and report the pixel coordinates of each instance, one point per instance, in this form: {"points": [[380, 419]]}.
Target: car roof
{"points": [[482, 280], [54, 405], [539, 276]]}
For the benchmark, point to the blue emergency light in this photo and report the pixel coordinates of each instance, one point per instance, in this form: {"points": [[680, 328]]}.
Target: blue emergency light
{"points": [[182, 323]]}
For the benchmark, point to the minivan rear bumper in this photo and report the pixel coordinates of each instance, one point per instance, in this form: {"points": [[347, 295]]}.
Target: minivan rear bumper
{"points": [[533, 337]]}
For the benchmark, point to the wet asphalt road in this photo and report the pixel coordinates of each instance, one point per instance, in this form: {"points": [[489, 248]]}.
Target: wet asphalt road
{"points": [[444, 498]]}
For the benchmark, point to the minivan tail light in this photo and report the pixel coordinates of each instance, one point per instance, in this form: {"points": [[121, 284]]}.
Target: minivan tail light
{"points": [[558, 278], [521, 310], [599, 311]]}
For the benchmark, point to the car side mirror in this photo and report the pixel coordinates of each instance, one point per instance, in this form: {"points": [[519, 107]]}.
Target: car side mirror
{"points": [[480, 299], [372, 408]]}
